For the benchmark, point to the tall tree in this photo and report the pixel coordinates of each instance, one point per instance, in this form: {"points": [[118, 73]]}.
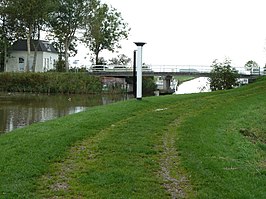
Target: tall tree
{"points": [[65, 22], [5, 35], [105, 27], [59, 46], [223, 76], [26, 16], [36, 41]]}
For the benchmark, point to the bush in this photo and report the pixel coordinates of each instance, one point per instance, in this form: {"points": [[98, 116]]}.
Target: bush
{"points": [[148, 85], [52, 82], [223, 76]]}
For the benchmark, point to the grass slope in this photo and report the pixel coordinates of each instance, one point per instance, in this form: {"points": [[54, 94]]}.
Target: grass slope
{"points": [[209, 145]]}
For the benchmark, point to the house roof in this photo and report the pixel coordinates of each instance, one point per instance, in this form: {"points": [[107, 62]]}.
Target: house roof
{"points": [[44, 46]]}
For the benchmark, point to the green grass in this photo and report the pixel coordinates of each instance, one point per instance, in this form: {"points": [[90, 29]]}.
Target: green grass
{"points": [[182, 79], [209, 145]]}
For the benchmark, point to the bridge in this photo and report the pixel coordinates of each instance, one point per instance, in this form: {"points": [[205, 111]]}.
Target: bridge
{"points": [[163, 70]]}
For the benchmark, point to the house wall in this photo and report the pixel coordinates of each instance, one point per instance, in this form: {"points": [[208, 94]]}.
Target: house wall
{"points": [[16, 62], [49, 60]]}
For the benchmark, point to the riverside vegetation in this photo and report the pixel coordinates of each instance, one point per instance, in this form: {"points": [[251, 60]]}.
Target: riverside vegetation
{"points": [[65, 83], [78, 83], [208, 145]]}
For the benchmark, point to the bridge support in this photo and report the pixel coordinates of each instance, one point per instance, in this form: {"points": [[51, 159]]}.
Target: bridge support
{"points": [[167, 85], [167, 82], [139, 69]]}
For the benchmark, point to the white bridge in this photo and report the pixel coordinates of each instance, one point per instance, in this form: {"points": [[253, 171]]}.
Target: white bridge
{"points": [[165, 70]]}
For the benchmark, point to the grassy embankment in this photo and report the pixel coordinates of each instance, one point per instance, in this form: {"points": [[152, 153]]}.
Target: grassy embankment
{"points": [[182, 79], [209, 145]]}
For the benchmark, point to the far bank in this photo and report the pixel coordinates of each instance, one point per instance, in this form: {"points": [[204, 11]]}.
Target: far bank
{"points": [[68, 83]]}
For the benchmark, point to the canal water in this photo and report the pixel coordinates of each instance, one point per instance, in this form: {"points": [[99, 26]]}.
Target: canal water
{"points": [[18, 110], [21, 109], [197, 85]]}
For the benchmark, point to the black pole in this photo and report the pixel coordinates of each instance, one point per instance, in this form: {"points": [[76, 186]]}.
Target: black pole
{"points": [[134, 75]]}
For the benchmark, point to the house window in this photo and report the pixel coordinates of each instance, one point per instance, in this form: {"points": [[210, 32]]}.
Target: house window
{"points": [[48, 63], [21, 63], [31, 63]]}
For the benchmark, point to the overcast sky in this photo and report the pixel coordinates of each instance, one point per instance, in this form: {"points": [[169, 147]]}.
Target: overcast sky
{"points": [[193, 32]]}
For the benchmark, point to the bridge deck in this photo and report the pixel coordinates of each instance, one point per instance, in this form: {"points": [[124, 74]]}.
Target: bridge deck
{"points": [[151, 73], [178, 70]]}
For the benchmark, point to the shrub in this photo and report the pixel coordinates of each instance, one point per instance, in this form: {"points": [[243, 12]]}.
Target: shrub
{"points": [[223, 76], [52, 82], [148, 85]]}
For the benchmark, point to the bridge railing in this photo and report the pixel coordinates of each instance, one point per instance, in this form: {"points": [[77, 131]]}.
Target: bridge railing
{"points": [[115, 68], [181, 68], [110, 68], [169, 69]]}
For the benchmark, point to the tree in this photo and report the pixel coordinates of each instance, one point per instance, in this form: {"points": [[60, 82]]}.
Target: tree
{"points": [[223, 76], [120, 60], [5, 35], [250, 65], [59, 46], [104, 29], [27, 17], [65, 21]]}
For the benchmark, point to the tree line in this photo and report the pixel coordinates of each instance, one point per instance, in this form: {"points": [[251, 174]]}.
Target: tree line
{"points": [[96, 24]]}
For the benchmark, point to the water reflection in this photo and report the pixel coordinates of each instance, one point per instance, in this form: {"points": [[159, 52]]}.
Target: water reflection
{"points": [[18, 110]]}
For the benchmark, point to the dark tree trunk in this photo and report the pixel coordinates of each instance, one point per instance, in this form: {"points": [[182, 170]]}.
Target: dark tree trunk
{"points": [[36, 46], [66, 56], [27, 68]]}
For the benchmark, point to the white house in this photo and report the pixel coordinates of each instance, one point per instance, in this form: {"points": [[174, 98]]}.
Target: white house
{"points": [[46, 57]]}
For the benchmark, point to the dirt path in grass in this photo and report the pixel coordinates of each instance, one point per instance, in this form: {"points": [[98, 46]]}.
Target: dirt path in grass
{"points": [[57, 183], [60, 182], [175, 182]]}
